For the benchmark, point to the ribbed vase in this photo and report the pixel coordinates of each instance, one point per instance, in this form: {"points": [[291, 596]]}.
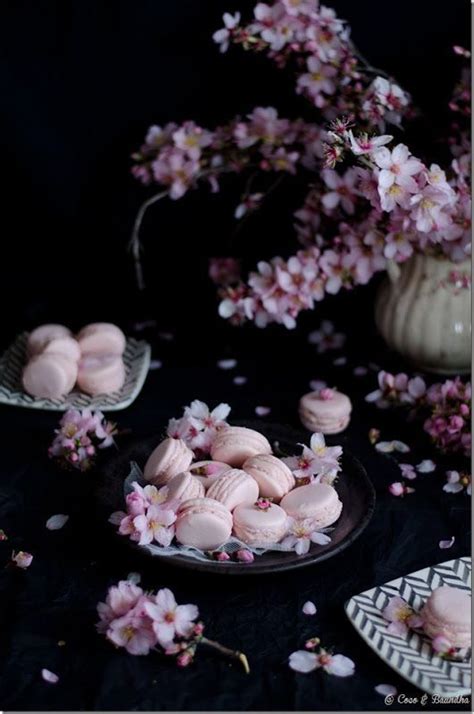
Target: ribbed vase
{"points": [[423, 311]]}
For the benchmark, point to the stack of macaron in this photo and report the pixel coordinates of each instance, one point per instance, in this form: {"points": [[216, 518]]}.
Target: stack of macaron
{"points": [[243, 490], [59, 360], [326, 411]]}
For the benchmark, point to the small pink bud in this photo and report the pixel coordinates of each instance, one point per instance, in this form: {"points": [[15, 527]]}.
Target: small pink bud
{"points": [[222, 557], [184, 659], [90, 451], [312, 643], [263, 503], [326, 394], [198, 629], [396, 489], [245, 556], [74, 457]]}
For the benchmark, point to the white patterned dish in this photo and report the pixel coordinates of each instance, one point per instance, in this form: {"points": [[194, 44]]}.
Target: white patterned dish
{"points": [[137, 361], [412, 656]]}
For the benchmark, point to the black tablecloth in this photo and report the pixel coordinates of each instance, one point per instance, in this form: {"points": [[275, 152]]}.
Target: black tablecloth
{"points": [[48, 612]]}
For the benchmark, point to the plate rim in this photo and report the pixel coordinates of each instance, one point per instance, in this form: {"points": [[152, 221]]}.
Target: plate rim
{"points": [[458, 692]]}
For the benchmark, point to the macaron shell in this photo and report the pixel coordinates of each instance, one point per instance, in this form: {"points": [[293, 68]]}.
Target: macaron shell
{"points": [[317, 501], [40, 336], [170, 458], [67, 346], [273, 477], [328, 416], [101, 374], [311, 423], [101, 338], [203, 523], [448, 612], [49, 376], [183, 487], [235, 444], [255, 526], [233, 488]]}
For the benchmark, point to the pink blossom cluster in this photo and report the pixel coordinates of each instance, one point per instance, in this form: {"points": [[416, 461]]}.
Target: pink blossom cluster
{"points": [[315, 44], [179, 157], [445, 406], [401, 617], [140, 622], [315, 657], [318, 463], [149, 518], [199, 425], [80, 435]]}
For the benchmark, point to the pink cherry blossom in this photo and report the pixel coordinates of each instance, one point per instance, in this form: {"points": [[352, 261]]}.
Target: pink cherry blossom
{"points": [[134, 630], [301, 533], [400, 616], [22, 559], [170, 619], [121, 598], [326, 338], [342, 190], [223, 37], [363, 144], [155, 525], [305, 662], [457, 482], [442, 645]]}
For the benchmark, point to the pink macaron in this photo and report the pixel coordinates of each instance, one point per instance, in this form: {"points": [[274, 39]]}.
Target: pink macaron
{"points": [[327, 411], [183, 487], [318, 502], [233, 488], [208, 471], [67, 346], [101, 338], [203, 523], [101, 374], [447, 612], [234, 444], [39, 337], [260, 527], [49, 376], [170, 458], [274, 478]]}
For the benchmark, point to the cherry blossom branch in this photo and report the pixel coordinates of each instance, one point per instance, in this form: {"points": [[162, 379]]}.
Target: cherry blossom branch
{"points": [[134, 244], [233, 654]]}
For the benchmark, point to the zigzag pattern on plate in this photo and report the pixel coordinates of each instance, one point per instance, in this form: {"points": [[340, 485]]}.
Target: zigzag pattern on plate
{"points": [[413, 656], [136, 359]]}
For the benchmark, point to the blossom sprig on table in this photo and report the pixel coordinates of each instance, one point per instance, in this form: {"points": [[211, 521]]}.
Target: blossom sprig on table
{"points": [[317, 463], [141, 622], [315, 657], [445, 407], [148, 518], [199, 425], [81, 434]]}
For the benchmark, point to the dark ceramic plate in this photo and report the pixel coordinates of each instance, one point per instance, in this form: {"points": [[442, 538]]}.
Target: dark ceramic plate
{"points": [[353, 485]]}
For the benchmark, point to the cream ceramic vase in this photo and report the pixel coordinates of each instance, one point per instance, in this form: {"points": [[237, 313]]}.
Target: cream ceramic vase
{"points": [[423, 310]]}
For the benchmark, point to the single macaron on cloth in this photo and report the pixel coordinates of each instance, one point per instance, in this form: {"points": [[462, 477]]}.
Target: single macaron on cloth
{"points": [[213, 491], [59, 362], [327, 411]]}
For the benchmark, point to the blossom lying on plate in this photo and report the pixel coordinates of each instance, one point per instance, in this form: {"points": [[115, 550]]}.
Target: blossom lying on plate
{"points": [[318, 461], [199, 425], [301, 533], [305, 662], [401, 617]]}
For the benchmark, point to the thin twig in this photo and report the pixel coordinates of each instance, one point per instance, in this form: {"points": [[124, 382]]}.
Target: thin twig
{"points": [[233, 654], [134, 245]]}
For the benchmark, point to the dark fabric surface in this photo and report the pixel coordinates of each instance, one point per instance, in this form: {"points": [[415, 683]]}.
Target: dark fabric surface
{"points": [[55, 599]]}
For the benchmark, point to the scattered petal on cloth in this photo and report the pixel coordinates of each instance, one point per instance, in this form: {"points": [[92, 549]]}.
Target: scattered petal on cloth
{"points": [[317, 384], [239, 380], [340, 362], [309, 608], [55, 523], [408, 471], [360, 371], [388, 447], [155, 364], [426, 466], [303, 661], [445, 544], [50, 677], [166, 336], [227, 363], [140, 326], [386, 690], [262, 411]]}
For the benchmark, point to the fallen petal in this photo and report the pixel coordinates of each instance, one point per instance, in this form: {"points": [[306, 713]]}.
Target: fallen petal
{"points": [[386, 690], [55, 523], [302, 661], [317, 384], [262, 411], [426, 466], [385, 447], [155, 364], [309, 608], [239, 380], [227, 363], [49, 676], [445, 544]]}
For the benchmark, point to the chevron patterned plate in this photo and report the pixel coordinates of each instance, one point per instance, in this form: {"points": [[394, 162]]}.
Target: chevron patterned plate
{"points": [[136, 358], [412, 657]]}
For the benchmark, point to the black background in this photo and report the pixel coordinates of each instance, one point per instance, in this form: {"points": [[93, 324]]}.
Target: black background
{"points": [[81, 82]]}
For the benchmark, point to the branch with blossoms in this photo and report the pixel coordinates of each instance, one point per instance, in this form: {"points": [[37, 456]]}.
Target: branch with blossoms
{"points": [[142, 622], [445, 407]]}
